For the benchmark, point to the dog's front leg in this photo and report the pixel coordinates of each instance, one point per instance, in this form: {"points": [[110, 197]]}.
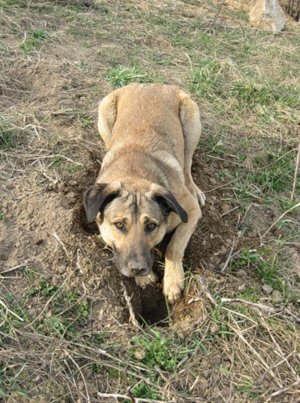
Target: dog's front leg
{"points": [[173, 282]]}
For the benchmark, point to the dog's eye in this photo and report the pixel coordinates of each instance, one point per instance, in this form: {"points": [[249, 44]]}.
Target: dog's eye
{"points": [[120, 225], [150, 227]]}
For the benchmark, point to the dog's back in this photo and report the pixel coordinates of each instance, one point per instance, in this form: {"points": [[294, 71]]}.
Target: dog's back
{"points": [[148, 115]]}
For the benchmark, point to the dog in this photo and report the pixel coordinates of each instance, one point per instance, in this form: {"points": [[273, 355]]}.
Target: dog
{"points": [[145, 189]]}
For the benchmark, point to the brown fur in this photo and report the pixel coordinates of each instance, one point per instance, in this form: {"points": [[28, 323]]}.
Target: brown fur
{"points": [[145, 188]]}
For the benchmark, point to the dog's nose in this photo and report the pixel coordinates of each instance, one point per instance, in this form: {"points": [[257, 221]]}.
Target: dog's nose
{"points": [[138, 269]]}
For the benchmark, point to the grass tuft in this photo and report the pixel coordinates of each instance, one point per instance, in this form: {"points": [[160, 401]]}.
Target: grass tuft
{"points": [[35, 38], [8, 134], [121, 76]]}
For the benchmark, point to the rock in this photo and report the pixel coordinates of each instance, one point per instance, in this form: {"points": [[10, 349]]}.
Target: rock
{"points": [[226, 207], [267, 14], [267, 289], [241, 273], [214, 328], [277, 296], [212, 181], [140, 354]]}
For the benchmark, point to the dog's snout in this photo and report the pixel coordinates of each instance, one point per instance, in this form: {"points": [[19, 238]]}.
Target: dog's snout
{"points": [[138, 269]]}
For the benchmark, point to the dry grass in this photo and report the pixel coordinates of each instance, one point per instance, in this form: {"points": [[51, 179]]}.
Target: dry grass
{"points": [[69, 330]]}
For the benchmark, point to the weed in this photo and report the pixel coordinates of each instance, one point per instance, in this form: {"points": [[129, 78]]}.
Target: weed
{"points": [[158, 20], [120, 76], [249, 294], [10, 3], [246, 387], [31, 274], [53, 325], [263, 264], [8, 134], [83, 309], [9, 384], [85, 120], [83, 64], [251, 94], [221, 329], [286, 204], [157, 350], [204, 79], [72, 169], [35, 39], [143, 390]]}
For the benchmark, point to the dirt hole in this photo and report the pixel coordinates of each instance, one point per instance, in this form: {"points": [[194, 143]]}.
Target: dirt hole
{"points": [[149, 305]]}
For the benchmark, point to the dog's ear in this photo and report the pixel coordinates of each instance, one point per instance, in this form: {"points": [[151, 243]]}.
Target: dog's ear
{"points": [[97, 197], [167, 202]]}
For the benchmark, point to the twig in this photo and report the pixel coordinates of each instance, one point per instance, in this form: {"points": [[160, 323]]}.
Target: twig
{"points": [[62, 244], [230, 211], [285, 359], [136, 400], [205, 290], [189, 59], [279, 218], [82, 376], [20, 266], [35, 157], [262, 307], [10, 311], [282, 390], [132, 317], [234, 243], [296, 173], [265, 365], [221, 186], [265, 308], [217, 14]]}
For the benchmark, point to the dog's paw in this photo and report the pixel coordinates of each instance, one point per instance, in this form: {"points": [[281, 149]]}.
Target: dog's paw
{"points": [[143, 281], [173, 292]]}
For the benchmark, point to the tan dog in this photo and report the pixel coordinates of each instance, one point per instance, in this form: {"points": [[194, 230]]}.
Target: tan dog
{"points": [[145, 188]]}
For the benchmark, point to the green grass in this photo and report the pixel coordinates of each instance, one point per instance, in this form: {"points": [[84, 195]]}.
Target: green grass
{"points": [[204, 80], [10, 384], [252, 94], [34, 40], [270, 175], [247, 387], [142, 390], [264, 265], [249, 294], [120, 76], [157, 349], [8, 133]]}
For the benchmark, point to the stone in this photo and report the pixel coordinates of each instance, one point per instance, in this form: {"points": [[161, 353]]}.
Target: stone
{"points": [[267, 14], [241, 273], [267, 289], [226, 207], [277, 296], [140, 354]]}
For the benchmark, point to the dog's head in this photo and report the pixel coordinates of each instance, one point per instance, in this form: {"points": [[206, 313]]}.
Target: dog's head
{"points": [[131, 221]]}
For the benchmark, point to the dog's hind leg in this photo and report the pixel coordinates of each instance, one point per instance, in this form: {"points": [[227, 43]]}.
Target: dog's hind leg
{"points": [[191, 126], [107, 114]]}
